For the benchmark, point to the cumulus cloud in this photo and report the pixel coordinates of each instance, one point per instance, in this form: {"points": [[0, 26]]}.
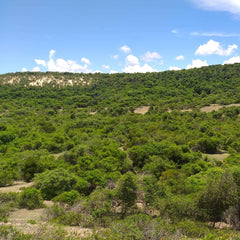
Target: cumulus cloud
{"points": [[36, 69], [132, 60], [174, 31], [24, 70], [215, 34], [232, 6], [232, 60], [197, 64], [125, 49], [113, 71], [40, 62], [179, 58], [85, 60], [97, 71], [115, 56], [137, 68], [151, 56], [51, 53], [62, 65], [174, 68], [105, 66], [213, 47], [133, 66]]}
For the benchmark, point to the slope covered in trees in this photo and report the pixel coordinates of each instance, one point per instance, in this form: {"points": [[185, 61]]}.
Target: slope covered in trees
{"points": [[130, 175]]}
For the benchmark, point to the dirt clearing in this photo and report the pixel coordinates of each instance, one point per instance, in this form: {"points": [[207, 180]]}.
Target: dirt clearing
{"points": [[219, 156], [16, 187], [142, 110]]}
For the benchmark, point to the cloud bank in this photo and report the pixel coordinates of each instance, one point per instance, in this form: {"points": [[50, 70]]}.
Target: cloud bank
{"points": [[197, 64], [133, 66], [212, 47], [232, 6]]}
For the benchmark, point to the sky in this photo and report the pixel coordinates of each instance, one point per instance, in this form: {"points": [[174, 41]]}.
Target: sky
{"points": [[113, 36]]}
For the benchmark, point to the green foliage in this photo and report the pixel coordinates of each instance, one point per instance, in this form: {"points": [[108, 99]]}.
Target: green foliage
{"points": [[208, 145], [67, 197], [30, 198], [67, 217], [127, 191], [99, 204], [53, 182], [8, 201], [9, 171], [87, 138], [220, 194]]}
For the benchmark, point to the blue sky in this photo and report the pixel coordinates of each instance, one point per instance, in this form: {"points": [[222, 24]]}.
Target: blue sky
{"points": [[117, 36]]}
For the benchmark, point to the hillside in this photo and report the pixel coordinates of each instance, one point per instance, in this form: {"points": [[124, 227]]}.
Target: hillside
{"points": [[129, 156]]}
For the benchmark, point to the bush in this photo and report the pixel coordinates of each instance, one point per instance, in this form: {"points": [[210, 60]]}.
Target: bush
{"points": [[127, 191], [54, 182], [208, 145], [67, 197], [73, 218], [7, 202], [30, 198]]}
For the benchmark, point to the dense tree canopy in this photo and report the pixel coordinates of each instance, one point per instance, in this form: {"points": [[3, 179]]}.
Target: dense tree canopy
{"points": [[126, 138]]}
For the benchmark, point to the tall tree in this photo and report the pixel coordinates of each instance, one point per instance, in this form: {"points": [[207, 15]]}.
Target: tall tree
{"points": [[127, 191]]}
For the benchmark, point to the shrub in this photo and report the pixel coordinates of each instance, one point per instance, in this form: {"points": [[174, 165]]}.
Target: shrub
{"points": [[30, 198], [67, 197], [54, 182], [127, 191]]}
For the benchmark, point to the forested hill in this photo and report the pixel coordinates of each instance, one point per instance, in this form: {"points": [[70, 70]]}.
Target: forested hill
{"points": [[133, 156], [177, 89]]}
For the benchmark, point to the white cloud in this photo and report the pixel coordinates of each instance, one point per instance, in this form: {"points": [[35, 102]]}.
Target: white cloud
{"points": [[85, 60], [232, 6], [97, 71], [24, 70], [214, 34], [113, 71], [40, 62], [51, 53], [36, 69], [115, 56], [232, 60], [133, 65], [132, 60], [213, 47], [105, 66], [181, 57], [197, 64], [137, 68], [61, 65], [125, 49], [174, 31], [174, 68], [151, 56]]}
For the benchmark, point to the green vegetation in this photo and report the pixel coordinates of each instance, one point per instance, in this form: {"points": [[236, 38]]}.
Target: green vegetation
{"points": [[125, 175]]}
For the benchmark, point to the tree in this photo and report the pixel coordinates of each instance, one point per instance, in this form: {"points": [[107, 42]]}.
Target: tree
{"points": [[219, 195], [53, 182], [127, 191], [30, 198]]}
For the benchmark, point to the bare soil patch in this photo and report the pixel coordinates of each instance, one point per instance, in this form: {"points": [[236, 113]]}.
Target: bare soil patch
{"points": [[212, 107], [93, 113], [78, 231], [219, 156], [35, 221], [16, 187], [142, 109], [57, 155], [216, 107], [187, 110], [22, 216]]}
